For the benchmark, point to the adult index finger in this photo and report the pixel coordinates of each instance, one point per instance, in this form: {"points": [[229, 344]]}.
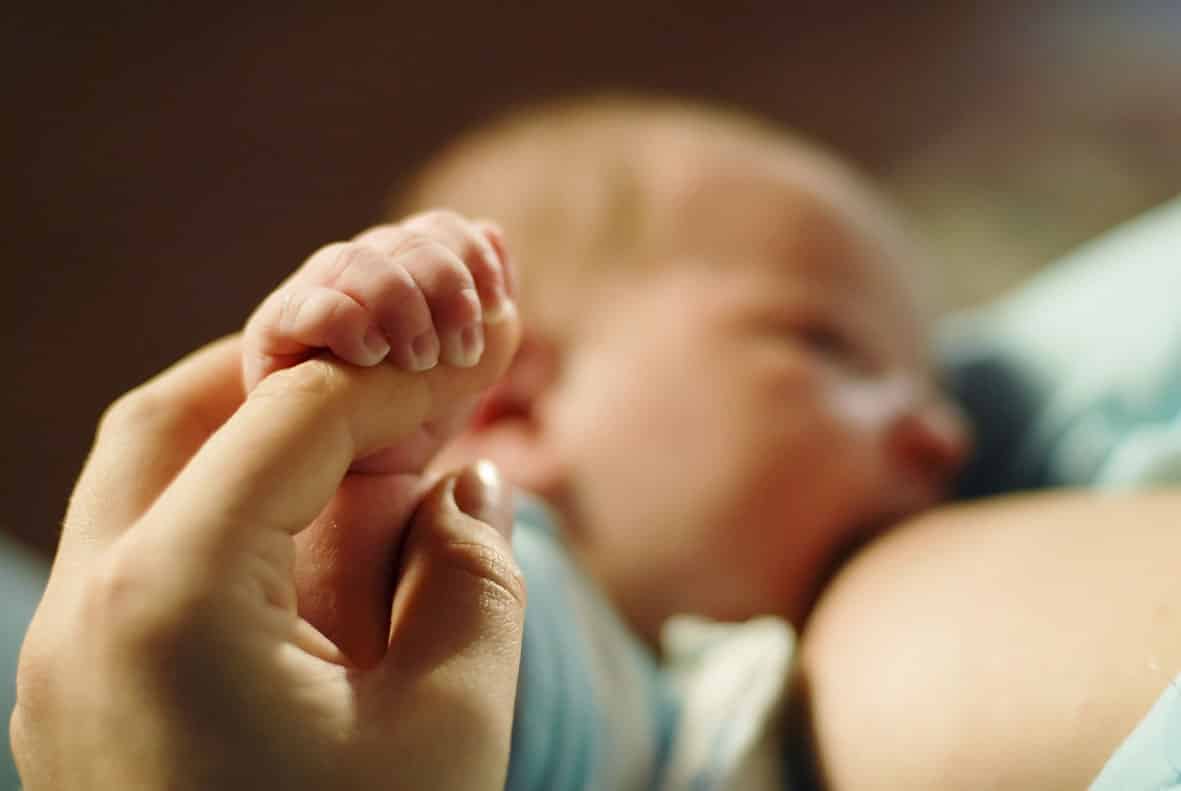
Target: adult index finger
{"points": [[276, 463], [144, 440]]}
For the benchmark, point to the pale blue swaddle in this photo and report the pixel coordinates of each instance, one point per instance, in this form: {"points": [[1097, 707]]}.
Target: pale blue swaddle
{"points": [[22, 577]]}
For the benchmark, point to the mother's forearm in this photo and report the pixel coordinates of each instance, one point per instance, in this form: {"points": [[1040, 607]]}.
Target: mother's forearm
{"points": [[1010, 644]]}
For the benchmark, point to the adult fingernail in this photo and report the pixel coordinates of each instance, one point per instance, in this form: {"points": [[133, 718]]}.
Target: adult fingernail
{"points": [[481, 493]]}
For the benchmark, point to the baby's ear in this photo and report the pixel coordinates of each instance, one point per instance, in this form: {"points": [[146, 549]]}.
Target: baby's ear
{"points": [[531, 374], [508, 425]]}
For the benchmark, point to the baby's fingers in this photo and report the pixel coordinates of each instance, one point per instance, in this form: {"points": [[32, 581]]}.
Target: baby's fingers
{"points": [[471, 243], [300, 318], [461, 271], [388, 290]]}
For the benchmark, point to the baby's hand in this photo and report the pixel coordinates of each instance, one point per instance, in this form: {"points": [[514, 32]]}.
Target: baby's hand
{"points": [[433, 289], [417, 292]]}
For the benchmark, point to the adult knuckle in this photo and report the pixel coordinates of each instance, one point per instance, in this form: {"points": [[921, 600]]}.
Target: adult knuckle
{"points": [[17, 731], [139, 611], [118, 591], [134, 410], [493, 567], [312, 379], [34, 678]]}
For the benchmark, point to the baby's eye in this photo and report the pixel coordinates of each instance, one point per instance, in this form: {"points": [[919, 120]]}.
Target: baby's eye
{"points": [[823, 339], [835, 346]]}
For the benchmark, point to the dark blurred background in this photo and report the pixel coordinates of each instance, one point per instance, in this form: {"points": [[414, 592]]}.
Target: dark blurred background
{"points": [[169, 163]]}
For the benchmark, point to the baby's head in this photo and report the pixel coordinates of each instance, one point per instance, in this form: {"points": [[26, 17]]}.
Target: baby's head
{"points": [[726, 380]]}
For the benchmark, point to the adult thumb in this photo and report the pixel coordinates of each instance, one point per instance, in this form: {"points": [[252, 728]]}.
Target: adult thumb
{"points": [[459, 608]]}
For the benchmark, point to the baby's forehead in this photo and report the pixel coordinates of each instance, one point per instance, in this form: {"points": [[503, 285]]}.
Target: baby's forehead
{"points": [[799, 229], [778, 207], [787, 223]]}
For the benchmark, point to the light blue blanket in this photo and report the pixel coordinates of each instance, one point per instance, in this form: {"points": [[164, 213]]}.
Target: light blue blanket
{"points": [[22, 577]]}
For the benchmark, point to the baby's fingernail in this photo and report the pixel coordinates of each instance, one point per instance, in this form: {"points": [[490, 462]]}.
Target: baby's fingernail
{"points": [[472, 340], [499, 302], [465, 346], [376, 344], [510, 270], [495, 236], [424, 351], [501, 308]]}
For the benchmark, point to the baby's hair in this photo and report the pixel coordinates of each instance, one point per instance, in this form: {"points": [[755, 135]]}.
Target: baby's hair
{"points": [[599, 136], [569, 126], [566, 179]]}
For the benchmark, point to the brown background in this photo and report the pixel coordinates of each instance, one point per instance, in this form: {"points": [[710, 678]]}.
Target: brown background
{"points": [[167, 166]]}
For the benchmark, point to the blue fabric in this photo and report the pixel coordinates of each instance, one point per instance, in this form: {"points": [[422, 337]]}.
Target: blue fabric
{"points": [[22, 578], [1075, 379], [1150, 759], [555, 725], [575, 653]]}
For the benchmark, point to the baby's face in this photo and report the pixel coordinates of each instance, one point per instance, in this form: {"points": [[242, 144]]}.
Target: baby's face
{"points": [[738, 419]]}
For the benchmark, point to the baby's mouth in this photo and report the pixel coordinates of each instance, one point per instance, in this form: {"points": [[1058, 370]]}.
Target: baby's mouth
{"points": [[907, 502], [851, 544], [908, 497]]}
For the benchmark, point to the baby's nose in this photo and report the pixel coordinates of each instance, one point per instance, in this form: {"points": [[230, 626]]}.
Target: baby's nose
{"points": [[930, 440]]}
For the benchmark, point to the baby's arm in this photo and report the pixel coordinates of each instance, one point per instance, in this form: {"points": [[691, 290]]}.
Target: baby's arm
{"points": [[416, 293]]}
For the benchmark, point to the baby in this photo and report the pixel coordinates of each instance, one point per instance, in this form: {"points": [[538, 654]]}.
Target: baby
{"points": [[724, 385], [726, 381]]}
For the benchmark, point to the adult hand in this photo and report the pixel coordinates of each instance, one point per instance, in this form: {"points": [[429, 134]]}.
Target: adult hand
{"points": [[168, 651]]}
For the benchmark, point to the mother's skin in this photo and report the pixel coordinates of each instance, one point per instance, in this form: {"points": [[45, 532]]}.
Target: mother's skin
{"points": [[1010, 644]]}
